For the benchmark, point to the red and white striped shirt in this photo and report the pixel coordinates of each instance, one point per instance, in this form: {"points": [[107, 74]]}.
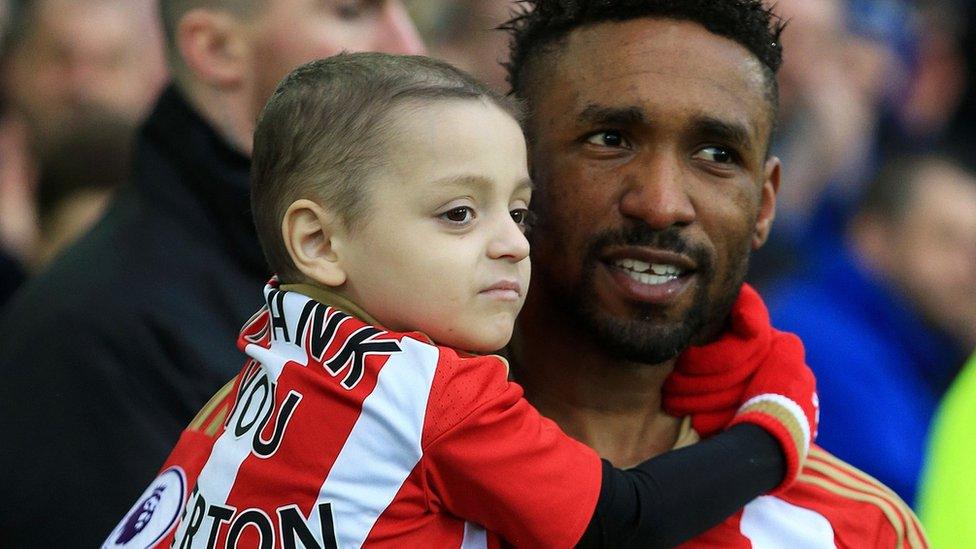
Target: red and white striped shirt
{"points": [[831, 504], [337, 433]]}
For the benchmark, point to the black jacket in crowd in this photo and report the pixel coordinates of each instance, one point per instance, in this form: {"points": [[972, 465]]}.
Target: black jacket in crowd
{"points": [[11, 276], [108, 355]]}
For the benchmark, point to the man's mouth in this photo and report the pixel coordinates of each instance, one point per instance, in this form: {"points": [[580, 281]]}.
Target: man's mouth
{"points": [[653, 274], [650, 276]]}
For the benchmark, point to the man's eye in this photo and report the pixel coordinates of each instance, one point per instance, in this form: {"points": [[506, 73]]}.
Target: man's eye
{"points": [[719, 155], [459, 215], [608, 138]]}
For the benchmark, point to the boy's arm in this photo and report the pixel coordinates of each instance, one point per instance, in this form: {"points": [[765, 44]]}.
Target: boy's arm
{"points": [[678, 495], [507, 468], [779, 394]]}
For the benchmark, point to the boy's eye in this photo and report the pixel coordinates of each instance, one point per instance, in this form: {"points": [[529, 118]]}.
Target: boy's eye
{"points": [[523, 218], [459, 215]]}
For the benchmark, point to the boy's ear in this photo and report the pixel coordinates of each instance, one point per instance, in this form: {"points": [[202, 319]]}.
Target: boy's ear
{"points": [[309, 231]]}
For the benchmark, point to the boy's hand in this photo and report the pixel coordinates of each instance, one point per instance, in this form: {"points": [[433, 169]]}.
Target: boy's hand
{"points": [[779, 394], [781, 397]]}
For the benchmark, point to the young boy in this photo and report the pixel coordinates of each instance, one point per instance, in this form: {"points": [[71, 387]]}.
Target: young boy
{"points": [[391, 196]]}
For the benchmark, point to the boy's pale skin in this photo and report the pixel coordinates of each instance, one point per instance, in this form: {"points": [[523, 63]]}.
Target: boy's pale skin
{"points": [[441, 247]]}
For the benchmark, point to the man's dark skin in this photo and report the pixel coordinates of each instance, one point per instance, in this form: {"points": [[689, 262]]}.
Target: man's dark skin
{"points": [[648, 142]]}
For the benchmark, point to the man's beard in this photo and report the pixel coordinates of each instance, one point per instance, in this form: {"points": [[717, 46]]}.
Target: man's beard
{"points": [[648, 337]]}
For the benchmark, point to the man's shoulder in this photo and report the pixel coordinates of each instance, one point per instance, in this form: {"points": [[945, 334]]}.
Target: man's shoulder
{"points": [[831, 505], [854, 503]]}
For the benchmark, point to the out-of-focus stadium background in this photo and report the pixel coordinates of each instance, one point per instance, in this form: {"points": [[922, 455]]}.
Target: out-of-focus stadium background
{"points": [[873, 255]]}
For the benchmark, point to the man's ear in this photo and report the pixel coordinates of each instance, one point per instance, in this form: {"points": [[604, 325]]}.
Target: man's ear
{"points": [[309, 232], [213, 46], [767, 202]]}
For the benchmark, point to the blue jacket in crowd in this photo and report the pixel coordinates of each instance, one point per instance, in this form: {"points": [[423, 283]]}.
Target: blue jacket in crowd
{"points": [[880, 370]]}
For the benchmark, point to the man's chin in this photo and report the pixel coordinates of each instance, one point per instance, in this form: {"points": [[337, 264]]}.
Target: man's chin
{"points": [[645, 341]]}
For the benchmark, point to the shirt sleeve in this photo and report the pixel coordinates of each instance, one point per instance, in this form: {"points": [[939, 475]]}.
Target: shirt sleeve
{"points": [[491, 458]]}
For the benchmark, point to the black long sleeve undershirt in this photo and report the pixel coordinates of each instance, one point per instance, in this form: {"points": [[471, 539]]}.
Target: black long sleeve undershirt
{"points": [[678, 495]]}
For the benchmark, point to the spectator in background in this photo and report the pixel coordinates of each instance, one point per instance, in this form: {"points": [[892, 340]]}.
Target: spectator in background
{"points": [[465, 33], [61, 62], [963, 125], [867, 80], [11, 272], [945, 501], [69, 56], [109, 353], [924, 109], [888, 319], [832, 85], [79, 173]]}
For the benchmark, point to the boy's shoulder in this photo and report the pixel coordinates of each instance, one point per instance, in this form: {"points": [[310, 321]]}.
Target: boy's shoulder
{"points": [[338, 353]]}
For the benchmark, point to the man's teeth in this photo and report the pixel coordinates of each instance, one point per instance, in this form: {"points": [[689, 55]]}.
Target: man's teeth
{"points": [[649, 273]]}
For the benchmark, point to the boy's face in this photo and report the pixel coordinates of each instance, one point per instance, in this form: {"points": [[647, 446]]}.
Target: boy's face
{"points": [[441, 248]]}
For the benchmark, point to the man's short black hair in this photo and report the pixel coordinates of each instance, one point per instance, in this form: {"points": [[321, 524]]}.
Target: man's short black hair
{"points": [[538, 25]]}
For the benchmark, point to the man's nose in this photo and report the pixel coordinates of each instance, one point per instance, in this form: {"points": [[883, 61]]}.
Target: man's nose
{"points": [[401, 36], [508, 241], [80, 81], [657, 193]]}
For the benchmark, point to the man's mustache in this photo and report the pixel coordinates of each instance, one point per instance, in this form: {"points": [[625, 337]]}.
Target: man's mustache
{"points": [[641, 234]]}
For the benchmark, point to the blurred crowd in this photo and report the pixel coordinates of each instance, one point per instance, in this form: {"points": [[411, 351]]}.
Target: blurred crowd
{"points": [[76, 78], [873, 256]]}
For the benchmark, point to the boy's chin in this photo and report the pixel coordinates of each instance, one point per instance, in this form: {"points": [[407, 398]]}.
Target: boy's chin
{"points": [[484, 345]]}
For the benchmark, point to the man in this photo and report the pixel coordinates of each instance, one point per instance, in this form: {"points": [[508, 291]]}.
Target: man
{"points": [[889, 316], [110, 353], [945, 498], [69, 56], [66, 64], [649, 125]]}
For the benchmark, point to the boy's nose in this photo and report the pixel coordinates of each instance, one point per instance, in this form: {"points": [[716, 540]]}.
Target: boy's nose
{"points": [[508, 242]]}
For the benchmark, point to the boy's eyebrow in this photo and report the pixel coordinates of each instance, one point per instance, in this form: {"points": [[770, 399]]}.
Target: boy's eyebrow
{"points": [[467, 181]]}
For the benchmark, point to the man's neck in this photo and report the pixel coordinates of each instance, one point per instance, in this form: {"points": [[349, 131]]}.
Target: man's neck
{"points": [[611, 405], [229, 113]]}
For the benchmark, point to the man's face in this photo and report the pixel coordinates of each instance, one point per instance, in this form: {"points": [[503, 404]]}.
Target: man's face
{"points": [[80, 55], [648, 151], [932, 249], [441, 247], [288, 33]]}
